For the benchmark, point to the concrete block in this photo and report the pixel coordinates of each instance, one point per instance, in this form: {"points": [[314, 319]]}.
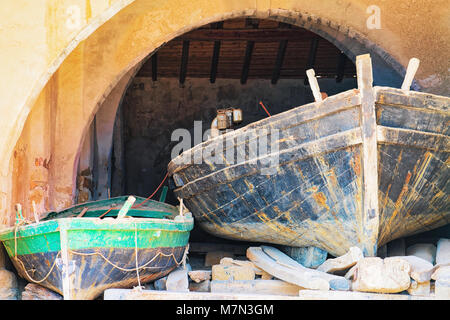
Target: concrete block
{"points": [[221, 272]]}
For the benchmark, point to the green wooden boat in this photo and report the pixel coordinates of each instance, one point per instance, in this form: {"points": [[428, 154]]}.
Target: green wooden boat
{"points": [[80, 257]]}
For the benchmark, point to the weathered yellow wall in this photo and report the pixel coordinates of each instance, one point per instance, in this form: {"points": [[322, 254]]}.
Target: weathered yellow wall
{"points": [[85, 48]]}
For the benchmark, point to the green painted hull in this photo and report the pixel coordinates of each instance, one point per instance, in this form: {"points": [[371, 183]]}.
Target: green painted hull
{"points": [[81, 257]]}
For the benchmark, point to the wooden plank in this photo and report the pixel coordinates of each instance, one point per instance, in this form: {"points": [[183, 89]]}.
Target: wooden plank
{"points": [[287, 272], [335, 282], [184, 61], [369, 222], [216, 53], [132, 294], [353, 295], [413, 65], [272, 287]]}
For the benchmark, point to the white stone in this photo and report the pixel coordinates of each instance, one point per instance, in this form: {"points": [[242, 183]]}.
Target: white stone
{"points": [[419, 288], [177, 280], [443, 251], [426, 251], [343, 262], [374, 274]]}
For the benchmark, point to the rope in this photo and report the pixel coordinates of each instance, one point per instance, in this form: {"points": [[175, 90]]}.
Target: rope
{"points": [[151, 196], [144, 266], [46, 276], [262, 105]]}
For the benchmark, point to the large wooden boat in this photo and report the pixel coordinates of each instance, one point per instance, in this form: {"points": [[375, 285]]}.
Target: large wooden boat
{"points": [[80, 257], [359, 168]]}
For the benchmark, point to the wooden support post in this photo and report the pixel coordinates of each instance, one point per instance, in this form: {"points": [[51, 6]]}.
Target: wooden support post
{"points": [[312, 56], [280, 55], [216, 53], [369, 221], [413, 65], [184, 61], [155, 66], [314, 85], [127, 205], [342, 59], [248, 52]]}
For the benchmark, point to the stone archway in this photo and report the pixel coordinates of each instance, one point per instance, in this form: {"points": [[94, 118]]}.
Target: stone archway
{"points": [[45, 158]]}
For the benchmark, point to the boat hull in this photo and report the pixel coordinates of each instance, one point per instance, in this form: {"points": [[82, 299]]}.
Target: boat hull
{"points": [[318, 194], [81, 257]]}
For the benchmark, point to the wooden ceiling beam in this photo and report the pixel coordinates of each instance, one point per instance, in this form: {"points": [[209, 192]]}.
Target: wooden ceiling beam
{"points": [[312, 55], [249, 23], [155, 66], [280, 55], [216, 53], [184, 61], [342, 59]]}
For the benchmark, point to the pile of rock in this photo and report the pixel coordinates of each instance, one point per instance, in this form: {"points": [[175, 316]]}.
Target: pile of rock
{"points": [[422, 271]]}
